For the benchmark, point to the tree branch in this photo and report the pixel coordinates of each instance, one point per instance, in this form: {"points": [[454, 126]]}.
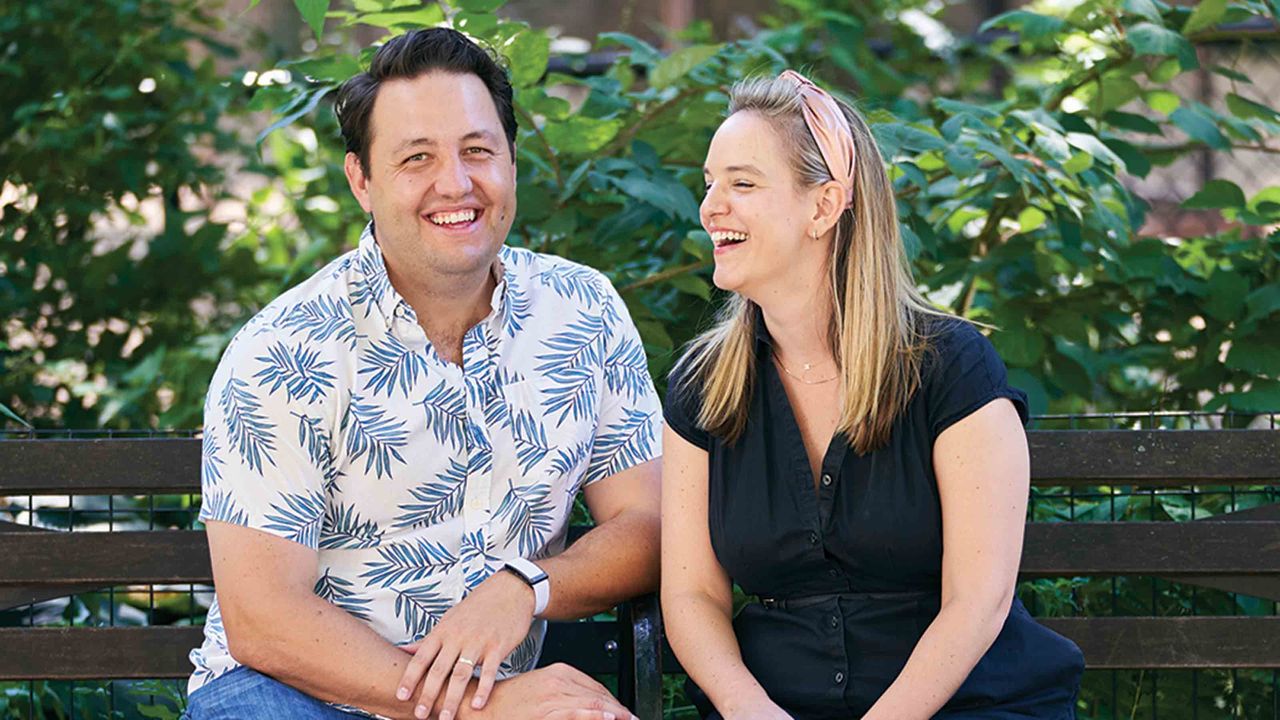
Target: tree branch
{"points": [[551, 153], [664, 275]]}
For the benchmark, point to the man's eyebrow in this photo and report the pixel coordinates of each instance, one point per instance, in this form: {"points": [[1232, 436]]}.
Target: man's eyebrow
{"points": [[484, 135], [736, 168]]}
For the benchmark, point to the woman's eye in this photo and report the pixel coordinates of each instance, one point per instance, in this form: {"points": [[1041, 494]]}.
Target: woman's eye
{"points": [[743, 184]]}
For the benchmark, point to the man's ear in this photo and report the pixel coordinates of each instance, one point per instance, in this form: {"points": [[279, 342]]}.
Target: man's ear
{"points": [[357, 180], [831, 203]]}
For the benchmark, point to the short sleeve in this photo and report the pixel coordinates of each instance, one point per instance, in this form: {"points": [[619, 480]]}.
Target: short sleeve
{"points": [[683, 406], [266, 448], [964, 373], [628, 431]]}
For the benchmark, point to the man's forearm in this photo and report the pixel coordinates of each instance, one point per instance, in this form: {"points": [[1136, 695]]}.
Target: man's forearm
{"points": [[615, 561], [323, 651]]}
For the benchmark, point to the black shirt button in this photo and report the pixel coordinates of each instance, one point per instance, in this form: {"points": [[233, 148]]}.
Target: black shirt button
{"points": [[839, 677], [835, 621], [833, 572], [826, 481], [813, 538]]}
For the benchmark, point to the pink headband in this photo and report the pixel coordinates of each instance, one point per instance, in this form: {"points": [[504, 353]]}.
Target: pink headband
{"points": [[829, 128]]}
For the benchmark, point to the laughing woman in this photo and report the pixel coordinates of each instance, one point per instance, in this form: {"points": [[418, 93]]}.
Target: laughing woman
{"points": [[844, 452]]}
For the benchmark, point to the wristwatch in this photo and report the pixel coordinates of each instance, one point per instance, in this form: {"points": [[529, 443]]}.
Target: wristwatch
{"points": [[535, 578]]}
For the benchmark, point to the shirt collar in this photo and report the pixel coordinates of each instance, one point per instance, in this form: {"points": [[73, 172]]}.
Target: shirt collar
{"points": [[388, 300]]}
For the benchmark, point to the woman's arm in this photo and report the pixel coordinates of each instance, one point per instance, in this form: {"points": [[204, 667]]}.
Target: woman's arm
{"points": [[697, 597], [983, 470]]}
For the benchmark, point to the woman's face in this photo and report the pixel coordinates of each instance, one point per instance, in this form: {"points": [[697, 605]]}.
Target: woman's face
{"points": [[758, 217]]}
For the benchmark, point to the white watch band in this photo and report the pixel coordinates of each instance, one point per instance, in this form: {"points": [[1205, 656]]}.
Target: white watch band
{"points": [[536, 578]]}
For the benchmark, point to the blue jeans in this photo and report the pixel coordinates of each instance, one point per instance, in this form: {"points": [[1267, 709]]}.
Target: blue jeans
{"points": [[246, 694]]}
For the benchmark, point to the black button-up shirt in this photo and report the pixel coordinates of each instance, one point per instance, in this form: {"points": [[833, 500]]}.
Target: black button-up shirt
{"points": [[850, 567]]}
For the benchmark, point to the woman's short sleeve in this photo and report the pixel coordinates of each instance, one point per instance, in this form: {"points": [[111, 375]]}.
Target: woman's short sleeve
{"points": [[963, 374], [683, 404]]}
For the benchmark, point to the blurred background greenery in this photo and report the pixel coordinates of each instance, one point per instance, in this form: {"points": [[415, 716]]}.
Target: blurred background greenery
{"points": [[1095, 178]]}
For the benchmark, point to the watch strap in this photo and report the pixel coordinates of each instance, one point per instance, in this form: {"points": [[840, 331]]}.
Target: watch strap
{"points": [[535, 577]]}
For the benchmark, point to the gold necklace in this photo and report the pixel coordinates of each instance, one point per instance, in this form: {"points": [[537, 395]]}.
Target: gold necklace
{"points": [[807, 368]]}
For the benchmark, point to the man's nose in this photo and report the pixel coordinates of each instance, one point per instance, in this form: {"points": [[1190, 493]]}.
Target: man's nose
{"points": [[454, 179]]}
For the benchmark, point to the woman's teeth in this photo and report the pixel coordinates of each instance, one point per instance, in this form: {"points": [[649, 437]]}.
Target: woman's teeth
{"points": [[453, 218], [727, 238]]}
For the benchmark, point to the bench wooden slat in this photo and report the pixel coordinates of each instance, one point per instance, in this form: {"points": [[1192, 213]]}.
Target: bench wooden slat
{"points": [[1166, 642], [1247, 548], [83, 653], [1154, 457], [1058, 457]]}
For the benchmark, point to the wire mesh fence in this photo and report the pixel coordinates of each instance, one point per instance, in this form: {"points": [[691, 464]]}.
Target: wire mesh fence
{"points": [[1172, 694]]}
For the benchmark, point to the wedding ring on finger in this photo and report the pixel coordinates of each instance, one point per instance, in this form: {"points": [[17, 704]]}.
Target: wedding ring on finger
{"points": [[466, 661]]}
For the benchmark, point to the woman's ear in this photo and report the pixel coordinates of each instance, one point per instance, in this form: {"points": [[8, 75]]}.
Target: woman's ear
{"points": [[831, 203]]}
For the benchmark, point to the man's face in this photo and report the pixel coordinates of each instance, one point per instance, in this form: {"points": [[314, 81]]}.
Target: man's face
{"points": [[441, 182]]}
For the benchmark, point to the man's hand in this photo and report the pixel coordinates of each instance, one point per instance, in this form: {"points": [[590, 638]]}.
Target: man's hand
{"points": [[556, 692], [482, 630]]}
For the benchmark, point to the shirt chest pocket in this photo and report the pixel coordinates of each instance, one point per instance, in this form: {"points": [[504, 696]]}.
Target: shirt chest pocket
{"points": [[551, 423]]}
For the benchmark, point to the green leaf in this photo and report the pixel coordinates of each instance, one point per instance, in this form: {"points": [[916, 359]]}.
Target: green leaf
{"points": [[425, 16], [1030, 26], [1216, 194], [1132, 122], [528, 53], [1163, 101], [1018, 345], [1207, 14], [479, 6], [1226, 294], [1031, 218], [312, 99], [1243, 107], [666, 194], [1254, 354], [313, 12], [1143, 8], [335, 67], [901, 136], [580, 135], [1263, 302], [693, 285], [1078, 163], [1150, 39], [1199, 126], [1262, 396], [681, 63], [476, 24]]}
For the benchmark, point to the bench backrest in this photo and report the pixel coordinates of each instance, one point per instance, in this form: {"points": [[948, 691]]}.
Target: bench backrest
{"points": [[1237, 552]]}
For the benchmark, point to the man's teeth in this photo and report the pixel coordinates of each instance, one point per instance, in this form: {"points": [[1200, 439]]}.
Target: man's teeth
{"points": [[452, 218], [726, 237]]}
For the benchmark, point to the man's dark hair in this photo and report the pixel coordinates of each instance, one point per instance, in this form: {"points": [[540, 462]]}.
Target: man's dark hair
{"points": [[408, 56]]}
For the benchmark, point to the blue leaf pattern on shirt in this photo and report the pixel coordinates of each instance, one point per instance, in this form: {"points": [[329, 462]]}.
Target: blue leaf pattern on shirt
{"points": [[313, 437], [626, 371], [531, 441], [519, 310], [568, 458], [340, 592], [373, 435], [371, 282], [391, 365], [220, 506], [298, 518], [297, 369], [420, 608], [528, 516], [436, 501], [622, 445], [210, 462], [322, 318], [446, 410], [407, 562], [574, 282], [344, 528], [250, 432]]}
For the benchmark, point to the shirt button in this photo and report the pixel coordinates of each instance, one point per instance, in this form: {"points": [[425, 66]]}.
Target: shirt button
{"points": [[839, 677], [826, 481], [813, 538], [833, 572], [835, 621]]}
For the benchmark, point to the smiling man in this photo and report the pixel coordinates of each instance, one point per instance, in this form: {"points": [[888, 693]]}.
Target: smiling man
{"points": [[392, 449]]}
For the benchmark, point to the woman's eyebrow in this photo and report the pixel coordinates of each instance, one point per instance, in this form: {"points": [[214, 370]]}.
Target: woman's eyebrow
{"points": [[736, 168]]}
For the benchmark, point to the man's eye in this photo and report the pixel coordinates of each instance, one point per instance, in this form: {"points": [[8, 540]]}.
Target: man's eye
{"points": [[479, 151], [416, 157]]}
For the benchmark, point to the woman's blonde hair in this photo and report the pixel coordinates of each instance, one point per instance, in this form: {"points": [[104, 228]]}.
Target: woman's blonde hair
{"points": [[875, 334]]}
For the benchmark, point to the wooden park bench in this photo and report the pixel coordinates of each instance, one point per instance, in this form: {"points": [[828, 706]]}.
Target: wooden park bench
{"points": [[1235, 552]]}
